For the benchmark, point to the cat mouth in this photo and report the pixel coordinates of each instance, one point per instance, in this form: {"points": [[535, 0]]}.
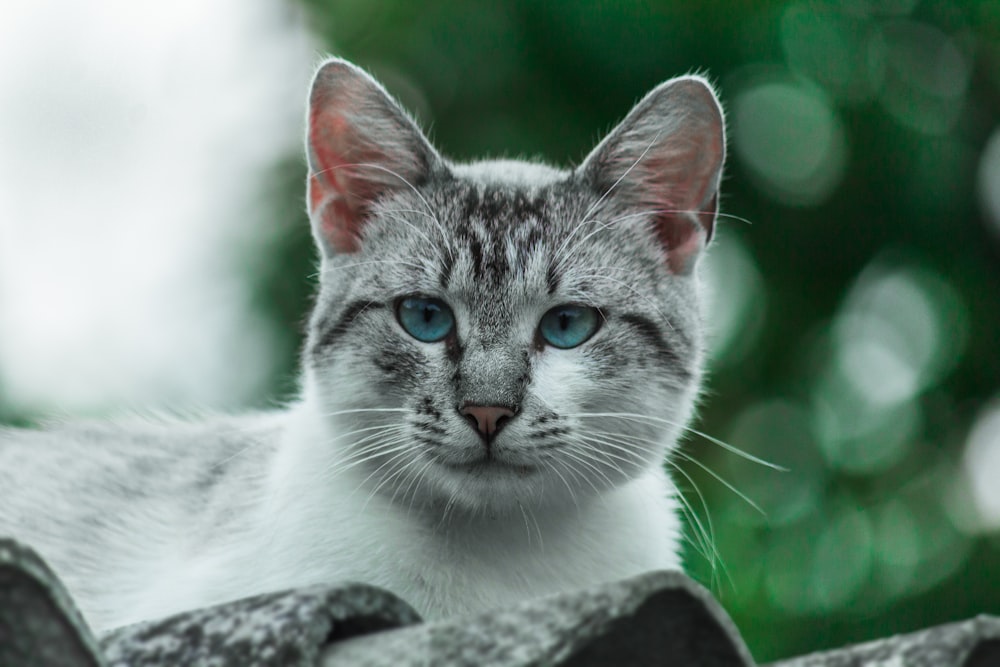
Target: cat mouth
{"points": [[489, 465]]}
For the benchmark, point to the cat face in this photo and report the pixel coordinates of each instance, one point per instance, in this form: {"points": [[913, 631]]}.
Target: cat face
{"points": [[503, 334]]}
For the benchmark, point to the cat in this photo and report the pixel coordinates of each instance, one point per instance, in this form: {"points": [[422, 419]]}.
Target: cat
{"points": [[500, 358]]}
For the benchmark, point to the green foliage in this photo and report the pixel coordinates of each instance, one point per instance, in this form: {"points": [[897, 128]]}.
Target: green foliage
{"points": [[859, 308]]}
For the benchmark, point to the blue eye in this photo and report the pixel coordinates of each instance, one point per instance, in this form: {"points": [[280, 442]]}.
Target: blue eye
{"points": [[568, 326], [427, 320]]}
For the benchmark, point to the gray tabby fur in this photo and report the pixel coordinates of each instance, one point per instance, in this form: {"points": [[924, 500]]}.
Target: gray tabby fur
{"points": [[372, 474]]}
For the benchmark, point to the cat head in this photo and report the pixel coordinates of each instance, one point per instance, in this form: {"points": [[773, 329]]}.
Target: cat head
{"points": [[503, 334]]}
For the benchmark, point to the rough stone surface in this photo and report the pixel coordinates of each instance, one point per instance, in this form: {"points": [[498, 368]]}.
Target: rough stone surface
{"points": [[972, 643], [39, 624], [661, 614], [657, 618], [279, 629]]}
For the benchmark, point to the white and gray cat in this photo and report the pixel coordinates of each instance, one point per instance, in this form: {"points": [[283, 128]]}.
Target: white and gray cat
{"points": [[500, 358]]}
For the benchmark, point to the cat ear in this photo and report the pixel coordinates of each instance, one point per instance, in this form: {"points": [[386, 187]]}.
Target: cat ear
{"points": [[666, 157], [361, 146]]}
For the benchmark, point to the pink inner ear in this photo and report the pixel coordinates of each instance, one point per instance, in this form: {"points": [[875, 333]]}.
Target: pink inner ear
{"points": [[685, 221], [335, 194], [361, 148], [331, 214], [682, 240]]}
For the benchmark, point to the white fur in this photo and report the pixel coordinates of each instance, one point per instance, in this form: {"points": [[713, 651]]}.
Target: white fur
{"points": [[375, 475], [464, 566], [311, 528]]}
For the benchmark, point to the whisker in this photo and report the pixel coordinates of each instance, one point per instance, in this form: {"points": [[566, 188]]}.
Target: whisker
{"points": [[380, 432], [447, 510], [601, 226], [563, 256], [445, 238], [704, 536], [419, 476], [378, 427], [569, 487], [423, 200], [405, 461], [240, 452], [398, 444], [593, 207], [337, 413], [577, 454], [744, 497], [413, 210], [527, 525], [379, 167], [660, 420], [708, 550], [645, 444], [432, 244], [408, 468]]}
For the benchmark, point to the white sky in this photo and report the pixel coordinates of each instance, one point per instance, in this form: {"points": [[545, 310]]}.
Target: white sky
{"points": [[133, 138]]}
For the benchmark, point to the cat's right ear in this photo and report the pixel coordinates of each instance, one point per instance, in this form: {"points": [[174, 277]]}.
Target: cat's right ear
{"points": [[361, 146], [665, 161]]}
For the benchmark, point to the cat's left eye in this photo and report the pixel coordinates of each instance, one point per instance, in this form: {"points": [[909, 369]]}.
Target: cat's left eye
{"points": [[426, 319], [569, 325]]}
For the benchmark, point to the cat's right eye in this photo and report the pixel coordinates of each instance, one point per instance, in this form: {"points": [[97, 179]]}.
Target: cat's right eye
{"points": [[426, 319], [569, 325]]}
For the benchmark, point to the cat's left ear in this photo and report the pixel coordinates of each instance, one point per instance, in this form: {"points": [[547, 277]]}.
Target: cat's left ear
{"points": [[361, 146], [666, 159]]}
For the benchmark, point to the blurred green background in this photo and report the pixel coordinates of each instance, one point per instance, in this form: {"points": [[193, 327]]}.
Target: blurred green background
{"points": [[856, 287], [860, 306]]}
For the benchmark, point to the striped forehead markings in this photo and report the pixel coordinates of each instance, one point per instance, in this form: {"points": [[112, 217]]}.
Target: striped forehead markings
{"points": [[494, 206], [489, 218]]}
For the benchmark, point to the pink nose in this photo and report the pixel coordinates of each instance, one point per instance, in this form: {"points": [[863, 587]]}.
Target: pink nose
{"points": [[488, 418]]}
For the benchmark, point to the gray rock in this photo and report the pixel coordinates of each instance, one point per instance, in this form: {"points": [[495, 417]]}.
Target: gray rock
{"points": [[657, 618], [39, 624], [972, 643], [276, 629]]}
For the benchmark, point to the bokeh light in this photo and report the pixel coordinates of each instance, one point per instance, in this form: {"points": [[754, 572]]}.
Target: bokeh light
{"points": [[980, 463], [988, 181], [789, 136], [926, 76], [899, 330], [840, 51], [737, 300]]}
